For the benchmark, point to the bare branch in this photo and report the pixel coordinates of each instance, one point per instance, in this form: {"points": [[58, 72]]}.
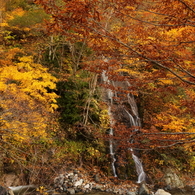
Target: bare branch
{"points": [[169, 133], [164, 146], [147, 59], [187, 6]]}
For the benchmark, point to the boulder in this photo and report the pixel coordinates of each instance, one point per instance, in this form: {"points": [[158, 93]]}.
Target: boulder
{"points": [[3, 191], [10, 192], [97, 187], [87, 186], [143, 190], [190, 188], [131, 193], [71, 191], [162, 192], [72, 182], [172, 179], [97, 178], [11, 179], [78, 183]]}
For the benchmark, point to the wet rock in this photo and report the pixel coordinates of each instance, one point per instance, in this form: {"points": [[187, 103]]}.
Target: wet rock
{"points": [[3, 191], [75, 171], [77, 190], [131, 193], [71, 177], [97, 178], [10, 192], [143, 190], [71, 191], [78, 183], [172, 179], [120, 191], [74, 182], [11, 179], [87, 186], [162, 192], [168, 188], [189, 188], [97, 187]]}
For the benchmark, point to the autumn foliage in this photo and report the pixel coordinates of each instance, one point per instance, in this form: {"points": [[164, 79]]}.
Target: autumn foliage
{"points": [[69, 44], [153, 43]]}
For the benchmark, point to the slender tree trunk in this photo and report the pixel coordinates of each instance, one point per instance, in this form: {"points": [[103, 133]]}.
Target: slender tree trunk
{"points": [[1, 165]]}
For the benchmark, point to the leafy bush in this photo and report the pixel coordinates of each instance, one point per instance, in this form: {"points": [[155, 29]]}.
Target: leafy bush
{"points": [[13, 4], [73, 94], [29, 19]]}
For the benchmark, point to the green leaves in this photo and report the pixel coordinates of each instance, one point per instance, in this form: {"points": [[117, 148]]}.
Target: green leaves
{"points": [[73, 94]]}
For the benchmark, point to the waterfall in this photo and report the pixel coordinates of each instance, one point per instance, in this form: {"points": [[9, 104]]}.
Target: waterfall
{"points": [[135, 121], [139, 168], [19, 190], [131, 115], [110, 95], [112, 154]]}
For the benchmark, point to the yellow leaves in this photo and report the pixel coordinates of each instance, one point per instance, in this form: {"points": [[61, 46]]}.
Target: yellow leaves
{"points": [[93, 152], [12, 52], [176, 32], [26, 99], [129, 7], [19, 12], [3, 86], [188, 63], [14, 13], [30, 78], [42, 190], [166, 81], [176, 124], [192, 162], [160, 162], [174, 118], [180, 34], [4, 24], [53, 107], [26, 59], [129, 71], [104, 119], [26, 64]]}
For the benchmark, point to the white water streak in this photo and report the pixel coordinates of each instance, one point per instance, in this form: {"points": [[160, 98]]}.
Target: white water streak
{"points": [[112, 154], [139, 168], [22, 189], [134, 121]]}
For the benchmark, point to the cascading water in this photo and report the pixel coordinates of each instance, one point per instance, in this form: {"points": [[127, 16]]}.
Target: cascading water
{"points": [[111, 132], [139, 168], [131, 115], [135, 121]]}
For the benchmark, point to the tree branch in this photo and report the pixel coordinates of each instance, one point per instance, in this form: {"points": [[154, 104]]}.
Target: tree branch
{"points": [[147, 59]]}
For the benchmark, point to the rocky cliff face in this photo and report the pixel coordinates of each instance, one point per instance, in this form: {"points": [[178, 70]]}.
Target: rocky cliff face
{"points": [[125, 121]]}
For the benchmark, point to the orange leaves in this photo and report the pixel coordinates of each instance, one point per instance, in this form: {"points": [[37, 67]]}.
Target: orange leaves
{"points": [[150, 44], [173, 123], [173, 119]]}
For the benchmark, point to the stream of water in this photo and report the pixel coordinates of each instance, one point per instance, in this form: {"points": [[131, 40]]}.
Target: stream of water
{"points": [[105, 193], [22, 190], [134, 121]]}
